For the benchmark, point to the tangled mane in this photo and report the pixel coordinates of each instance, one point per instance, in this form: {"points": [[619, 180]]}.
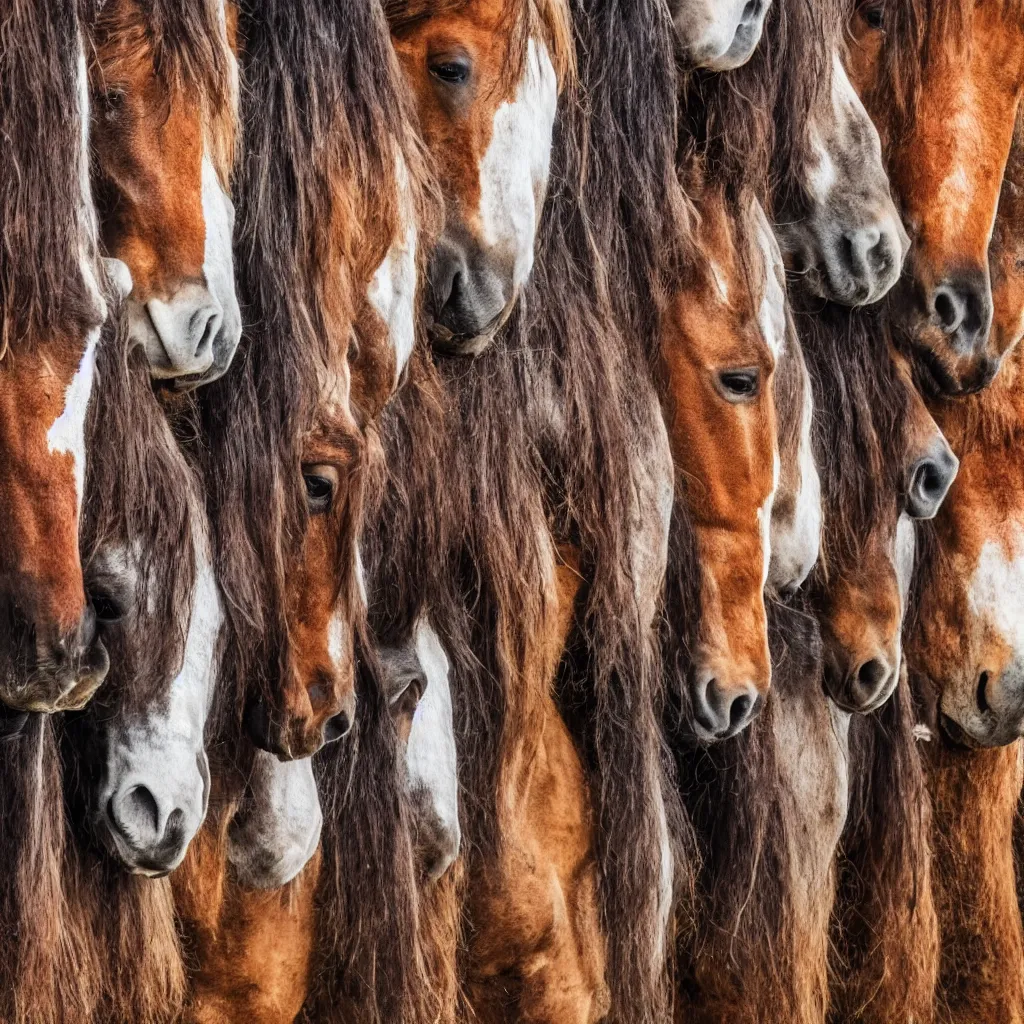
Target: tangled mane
{"points": [[751, 126], [47, 226], [885, 932]]}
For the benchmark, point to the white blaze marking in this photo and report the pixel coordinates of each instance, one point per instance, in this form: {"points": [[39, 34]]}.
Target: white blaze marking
{"points": [[67, 434], [807, 519], [772, 314], [218, 259], [723, 287], [163, 747], [431, 758], [997, 591], [764, 519], [514, 170], [392, 291]]}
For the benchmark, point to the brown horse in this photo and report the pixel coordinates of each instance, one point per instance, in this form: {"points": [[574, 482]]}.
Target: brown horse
{"points": [[51, 311], [958, 64], [722, 338], [164, 99], [486, 75]]}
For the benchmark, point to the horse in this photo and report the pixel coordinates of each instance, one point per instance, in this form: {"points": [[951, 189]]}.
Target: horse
{"points": [[717, 36], [725, 339], [164, 101], [486, 75], [918, 64], [789, 125], [52, 309], [255, 941], [966, 682]]}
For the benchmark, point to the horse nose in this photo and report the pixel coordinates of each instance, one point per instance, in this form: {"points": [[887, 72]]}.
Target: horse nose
{"points": [[186, 327], [722, 709], [962, 308], [871, 257], [338, 726], [152, 828], [442, 850], [930, 480], [870, 685], [70, 666], [468, 298]]}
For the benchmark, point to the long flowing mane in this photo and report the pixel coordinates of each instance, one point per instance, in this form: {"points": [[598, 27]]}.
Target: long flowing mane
{"points": [[46, 231]]}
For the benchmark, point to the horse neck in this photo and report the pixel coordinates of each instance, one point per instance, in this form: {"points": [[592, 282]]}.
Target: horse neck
{"points": [[974, 800]]}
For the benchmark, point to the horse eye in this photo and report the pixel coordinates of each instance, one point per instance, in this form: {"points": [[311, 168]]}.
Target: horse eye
{"points": [[873, 16], [740, 385], [107, 608], [452, 72], [113, 101], [319, 491]]}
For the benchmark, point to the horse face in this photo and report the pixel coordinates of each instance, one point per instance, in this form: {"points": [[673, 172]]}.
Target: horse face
{"points": [[861, 615], [849, 244], [276, 831], [52, 658], [720, 340], [314, 702], [163, 154], [418, 693], [490, 134], [154, 777], [946, 167], [718, 34], [864, 600]]}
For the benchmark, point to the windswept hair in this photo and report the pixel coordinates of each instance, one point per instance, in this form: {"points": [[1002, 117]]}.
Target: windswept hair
{"points": [[47, 226]]}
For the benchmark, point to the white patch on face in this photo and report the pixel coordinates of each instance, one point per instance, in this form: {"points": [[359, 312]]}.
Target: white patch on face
{"points": [[764, 519], [514, 170], [772, 314], [431, 758], [392, 291], [67, 434], [277, 829], [808, 519], [720, 282], [163, 750], [996, 590], [218, 258], [337, 638]]}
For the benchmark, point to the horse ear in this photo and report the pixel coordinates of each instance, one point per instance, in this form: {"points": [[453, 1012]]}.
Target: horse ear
{"points": [[119, 276]]}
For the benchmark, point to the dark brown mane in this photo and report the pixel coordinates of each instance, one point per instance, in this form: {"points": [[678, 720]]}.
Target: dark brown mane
{"points": [[44, 230], [859, 426], [751, 951]]}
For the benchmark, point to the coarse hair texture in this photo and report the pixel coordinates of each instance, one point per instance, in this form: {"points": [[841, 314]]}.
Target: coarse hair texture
{"points": [[753, 125], [325, 130], [758, 949], [508, 451], [885, 931], [47, 226]]}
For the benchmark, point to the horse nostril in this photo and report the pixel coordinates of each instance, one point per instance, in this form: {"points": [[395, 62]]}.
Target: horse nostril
{"points": [[750, 10], [337, 727], [963, 307], [137, 812], [930, 481], [983, 704], [739, 710], [872, 674]]}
